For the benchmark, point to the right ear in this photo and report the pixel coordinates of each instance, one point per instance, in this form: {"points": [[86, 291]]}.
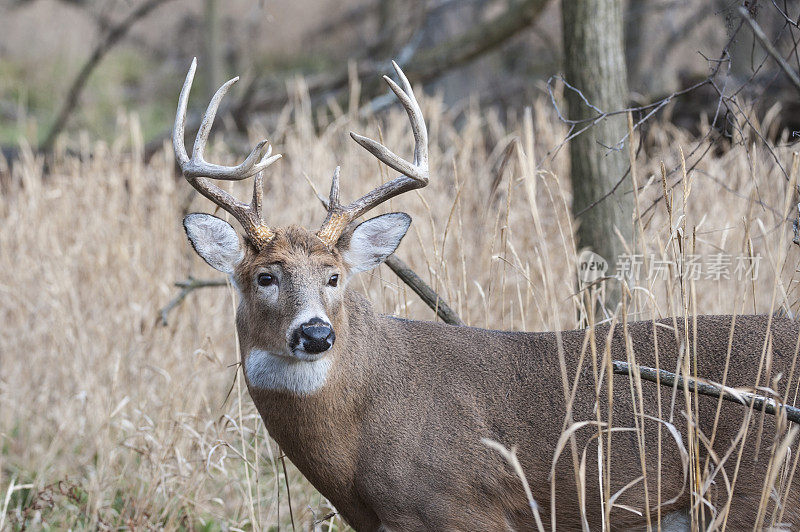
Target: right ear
{"points": [[215, 240]]}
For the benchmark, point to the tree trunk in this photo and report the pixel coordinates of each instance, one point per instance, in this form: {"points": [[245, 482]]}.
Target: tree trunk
{"points": [[595, 65], [635, 28]]}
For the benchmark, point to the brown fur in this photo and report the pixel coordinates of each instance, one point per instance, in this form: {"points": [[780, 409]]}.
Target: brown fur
{"points": [[394, 437]]}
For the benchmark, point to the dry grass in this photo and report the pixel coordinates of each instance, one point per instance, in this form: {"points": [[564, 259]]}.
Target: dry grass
{"points": [[109, 419]]}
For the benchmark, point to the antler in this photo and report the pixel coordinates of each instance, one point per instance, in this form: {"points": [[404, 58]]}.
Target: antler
{"points": [[414, 175], [199, 173]]}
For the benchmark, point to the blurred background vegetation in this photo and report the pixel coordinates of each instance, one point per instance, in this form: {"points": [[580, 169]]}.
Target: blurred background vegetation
{"points": [[270, 43]]}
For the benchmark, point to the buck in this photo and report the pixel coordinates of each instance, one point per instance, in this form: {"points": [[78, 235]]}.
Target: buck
{"points": [[388, 418]]}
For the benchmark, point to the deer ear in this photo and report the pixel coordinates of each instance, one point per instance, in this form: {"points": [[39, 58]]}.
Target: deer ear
{"points": [[374, 240], [215, 240]]}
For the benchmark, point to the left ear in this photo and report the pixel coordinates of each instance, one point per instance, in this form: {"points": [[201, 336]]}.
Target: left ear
{"points": [[374, 240], [215, 240]]}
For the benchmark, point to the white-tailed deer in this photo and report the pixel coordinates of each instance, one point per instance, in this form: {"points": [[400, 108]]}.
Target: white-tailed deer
{"points": [[388, 418]]}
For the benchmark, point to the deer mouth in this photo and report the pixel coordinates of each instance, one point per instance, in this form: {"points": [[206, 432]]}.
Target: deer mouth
{"points": [[291, 355], [304, 356]]}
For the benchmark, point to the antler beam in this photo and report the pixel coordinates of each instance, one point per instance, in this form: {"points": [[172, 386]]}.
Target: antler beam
{"points": [[414, 175], [198, 172]]}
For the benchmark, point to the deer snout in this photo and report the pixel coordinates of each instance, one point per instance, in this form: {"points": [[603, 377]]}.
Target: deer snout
{"points": [[315, 336]]}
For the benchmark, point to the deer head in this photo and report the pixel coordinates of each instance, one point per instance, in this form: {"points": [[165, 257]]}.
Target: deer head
{"points": [[293, 281]]}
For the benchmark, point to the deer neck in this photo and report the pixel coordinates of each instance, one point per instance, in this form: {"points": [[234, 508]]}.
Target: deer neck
{"points": [[311, 427]]}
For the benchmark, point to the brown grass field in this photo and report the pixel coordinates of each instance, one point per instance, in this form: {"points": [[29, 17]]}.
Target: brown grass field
{"points": [[109, 419]]}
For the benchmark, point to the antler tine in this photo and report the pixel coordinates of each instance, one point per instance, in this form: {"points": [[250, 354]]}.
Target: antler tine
{"points": [[178, 130], [333, 197], [258, 194], [419, 169], [414, 175], [199, 172], [208, 119], [197, 166]]}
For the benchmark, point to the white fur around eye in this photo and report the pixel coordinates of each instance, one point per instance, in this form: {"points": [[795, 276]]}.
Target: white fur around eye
{"points": [[214, 240], [374, 240]]}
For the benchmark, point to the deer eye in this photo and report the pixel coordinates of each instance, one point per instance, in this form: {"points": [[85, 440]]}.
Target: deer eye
{"points": [[265, 279], [334, 280]]}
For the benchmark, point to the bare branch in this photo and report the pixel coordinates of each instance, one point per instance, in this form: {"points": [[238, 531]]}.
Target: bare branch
{"points": [[188, 286], [114, 35], [761, 37], [711, 389], [425, 292], [421, 66]]}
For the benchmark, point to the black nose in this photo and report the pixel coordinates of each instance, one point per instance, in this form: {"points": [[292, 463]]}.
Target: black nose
{"points": [[316, 336]]}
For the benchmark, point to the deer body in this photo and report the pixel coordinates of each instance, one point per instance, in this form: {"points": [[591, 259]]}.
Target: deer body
{"points": [[388, 417], [393, 437]]}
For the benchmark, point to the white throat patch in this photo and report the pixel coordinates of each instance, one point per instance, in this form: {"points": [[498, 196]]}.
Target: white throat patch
{"points": [[267, 371]]}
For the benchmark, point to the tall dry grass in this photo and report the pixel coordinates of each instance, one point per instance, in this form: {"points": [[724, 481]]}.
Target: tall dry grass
{"points": [[108, 419]]}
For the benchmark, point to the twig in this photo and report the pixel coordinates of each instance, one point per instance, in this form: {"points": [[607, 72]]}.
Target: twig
{"points": [[288, 491], [187, 286], [111, 38], [769, 48], [425, 292], [712, 389], [320, 520]]}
